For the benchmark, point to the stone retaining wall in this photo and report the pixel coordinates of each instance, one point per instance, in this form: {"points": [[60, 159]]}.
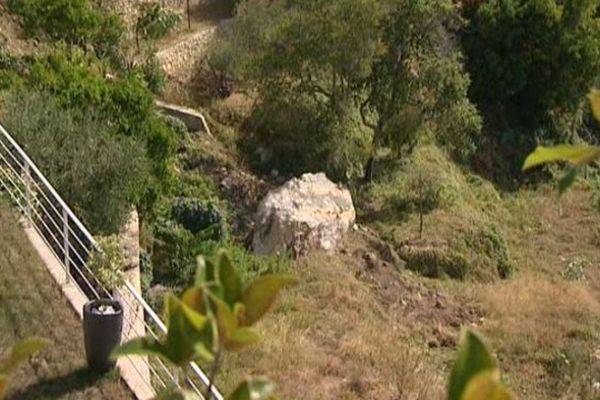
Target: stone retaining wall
{"points": [[181, 60]]}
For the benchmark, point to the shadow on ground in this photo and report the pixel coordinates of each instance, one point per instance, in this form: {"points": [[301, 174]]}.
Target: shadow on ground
{"points": [[59, 386]]}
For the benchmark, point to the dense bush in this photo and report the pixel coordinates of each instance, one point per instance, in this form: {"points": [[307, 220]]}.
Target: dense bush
{"points": [[73, 21], [76, 81], [174, 254], [99, 173], [196, 215], [532, 63], [491, 245]]}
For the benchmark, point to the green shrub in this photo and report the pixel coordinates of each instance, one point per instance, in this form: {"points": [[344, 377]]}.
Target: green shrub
{"points": [[155, 21], [174, 254], [73, 21], [77, 82], [301, 135], [489, 253], [153, 74], [433, 263], [196, 215], [108, 262], [100, 174], [146, 270]]}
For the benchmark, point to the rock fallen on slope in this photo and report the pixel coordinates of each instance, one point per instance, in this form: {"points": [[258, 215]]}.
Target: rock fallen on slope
{"points": [[304, 214]]}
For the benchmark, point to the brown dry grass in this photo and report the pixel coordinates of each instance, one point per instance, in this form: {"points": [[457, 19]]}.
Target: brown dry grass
{"points": [[329, 338], [543, 324]]}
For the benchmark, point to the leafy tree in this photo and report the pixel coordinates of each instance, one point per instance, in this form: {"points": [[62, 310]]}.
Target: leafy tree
{"points": [[577, 156], [532, 63], [349, 77], [418, 77]]}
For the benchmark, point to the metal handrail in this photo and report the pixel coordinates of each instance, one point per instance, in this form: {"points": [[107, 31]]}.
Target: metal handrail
{"points": [[35, 184]]}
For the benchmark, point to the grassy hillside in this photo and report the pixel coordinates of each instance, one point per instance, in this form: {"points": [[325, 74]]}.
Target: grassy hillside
{"points": [[437, 247], [31, 304], [358, 327]]}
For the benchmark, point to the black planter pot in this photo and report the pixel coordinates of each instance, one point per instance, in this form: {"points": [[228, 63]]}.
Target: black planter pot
{"points": [[101, 333]]}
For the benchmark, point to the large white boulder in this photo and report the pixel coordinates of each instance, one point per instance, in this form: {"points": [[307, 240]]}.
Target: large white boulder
{"points": [[304, 214]]}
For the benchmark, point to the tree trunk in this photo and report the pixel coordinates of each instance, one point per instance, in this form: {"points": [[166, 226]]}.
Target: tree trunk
{"points": [[189, 18], [370, 167]]}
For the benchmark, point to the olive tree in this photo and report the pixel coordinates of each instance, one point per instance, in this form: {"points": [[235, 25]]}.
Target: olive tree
{"points": [[348, 77]]}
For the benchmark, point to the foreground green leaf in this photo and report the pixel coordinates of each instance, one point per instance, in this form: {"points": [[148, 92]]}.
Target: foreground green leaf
{"points": [[230, 279], [189, 337], [486, 386], [141, 346], [260, 295], [594, 97], [253, 390], [473, 358], [577, 155]]}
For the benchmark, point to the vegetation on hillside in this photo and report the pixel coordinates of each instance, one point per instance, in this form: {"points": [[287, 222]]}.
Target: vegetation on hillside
{"points": [[425, 109]]}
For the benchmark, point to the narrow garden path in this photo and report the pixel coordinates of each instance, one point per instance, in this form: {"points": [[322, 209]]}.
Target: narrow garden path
{"points": [[31, 304]]}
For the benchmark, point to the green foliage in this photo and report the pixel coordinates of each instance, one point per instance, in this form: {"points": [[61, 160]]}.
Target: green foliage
{"points": [[195, 215], [73, 21], [213, 315], [174, 253], [146, 271], [19, 353], [153, 74], [101, 192], [107, 263], [532, 63], [78, 83], [490, 245], [475, 375], [155, 21], [333, 90], [433, 263], [577, 156]]}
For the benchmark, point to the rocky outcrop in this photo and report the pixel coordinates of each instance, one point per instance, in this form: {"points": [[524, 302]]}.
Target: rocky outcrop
{"points": [[305, 214]]}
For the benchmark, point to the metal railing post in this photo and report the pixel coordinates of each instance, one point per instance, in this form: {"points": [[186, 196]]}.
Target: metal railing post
{"points": [[27, 180], [65, 216]]}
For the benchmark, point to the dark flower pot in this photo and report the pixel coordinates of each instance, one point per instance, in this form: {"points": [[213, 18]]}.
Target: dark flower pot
{"points": [[101, 333]]}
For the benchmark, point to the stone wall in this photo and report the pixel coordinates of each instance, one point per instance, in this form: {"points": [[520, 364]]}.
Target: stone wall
{"points": [[181, 60]]}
